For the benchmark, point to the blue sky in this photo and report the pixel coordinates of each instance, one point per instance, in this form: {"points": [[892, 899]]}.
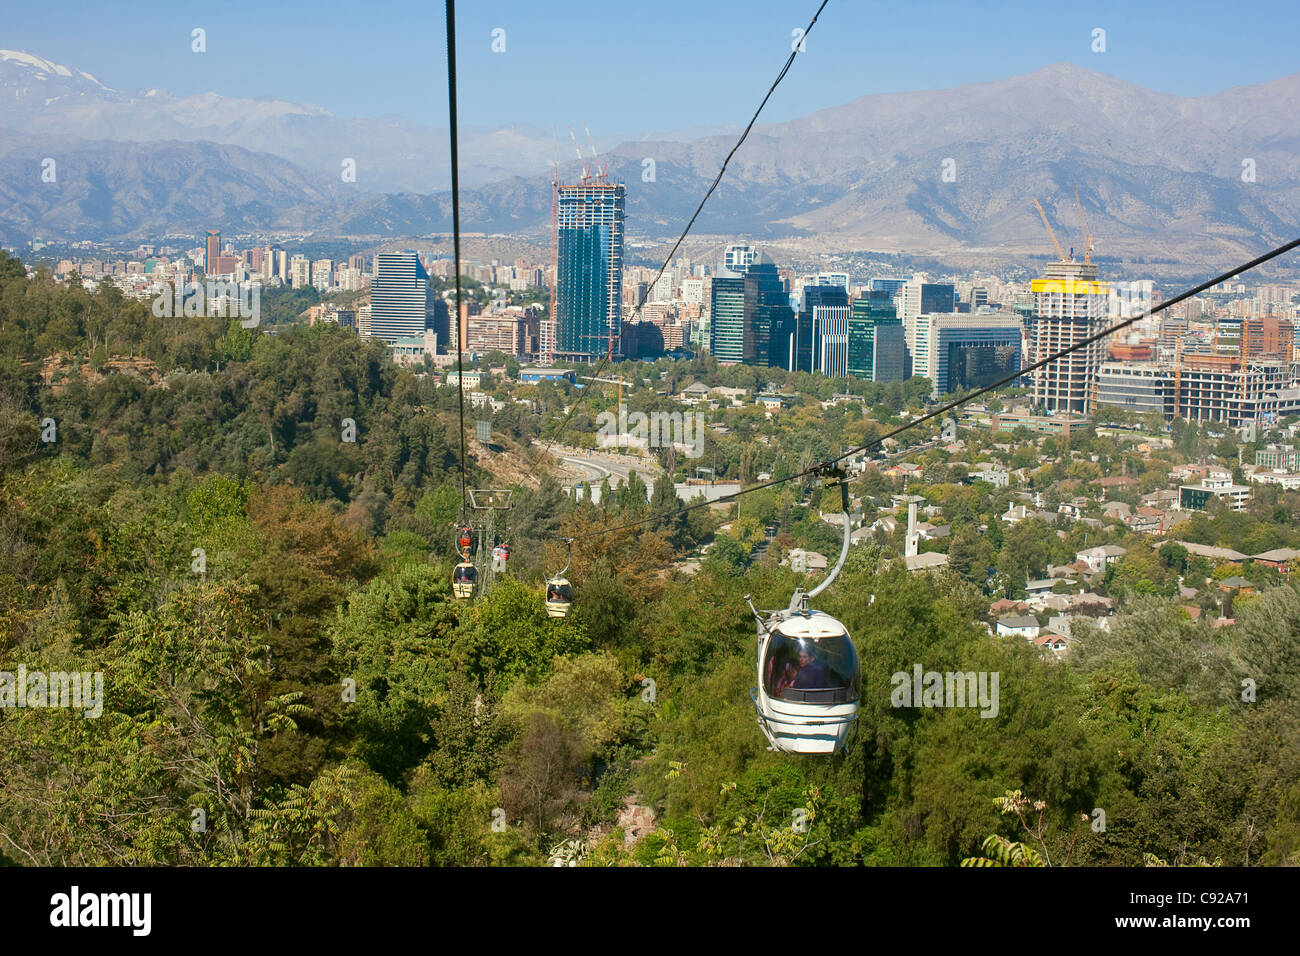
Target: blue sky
{"points": [[631, 67]]}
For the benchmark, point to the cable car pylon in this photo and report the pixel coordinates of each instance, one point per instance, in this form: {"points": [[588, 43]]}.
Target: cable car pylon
{"points": [[809, 679]]}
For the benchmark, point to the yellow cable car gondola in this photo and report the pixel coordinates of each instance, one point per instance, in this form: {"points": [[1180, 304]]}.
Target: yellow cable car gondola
{"points": [[559, 597], [463, 580], [559, 592]]}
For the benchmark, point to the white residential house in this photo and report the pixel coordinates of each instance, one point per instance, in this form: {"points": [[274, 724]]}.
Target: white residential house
{"points": [[886, 523], [1098, 559], [1054, 644], [1018, 625], [1017, 513]]}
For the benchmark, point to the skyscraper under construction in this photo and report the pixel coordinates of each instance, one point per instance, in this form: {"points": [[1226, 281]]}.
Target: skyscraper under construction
{"points": [[589, 267], [1070, 305]]}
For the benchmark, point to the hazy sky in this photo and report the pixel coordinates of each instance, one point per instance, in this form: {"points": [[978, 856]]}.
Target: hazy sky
{"points": [[633, 67]]}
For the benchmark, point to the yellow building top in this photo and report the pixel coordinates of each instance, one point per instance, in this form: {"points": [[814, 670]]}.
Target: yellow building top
{"points": [[1070, 286]]}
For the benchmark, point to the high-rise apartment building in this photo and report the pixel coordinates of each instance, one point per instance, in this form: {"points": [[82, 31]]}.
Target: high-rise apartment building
{"points": [[322, 274], [300, 272], [589, 284], [1070, 306]]}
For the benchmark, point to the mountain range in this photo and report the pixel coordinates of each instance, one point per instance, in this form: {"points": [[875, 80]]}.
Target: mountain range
{"points": [[1203, 179]]}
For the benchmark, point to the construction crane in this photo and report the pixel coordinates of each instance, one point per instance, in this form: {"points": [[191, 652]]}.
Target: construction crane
{"points": [[599, 171], [586, 170], [1059, 251], [1083, 224]]}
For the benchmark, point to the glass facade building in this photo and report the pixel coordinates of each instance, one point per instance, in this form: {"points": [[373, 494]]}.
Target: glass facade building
{"points": [[769, 320], [589, 281], [964, 351], [402, 305], [875, 338], [727, 319], [808, 331]]}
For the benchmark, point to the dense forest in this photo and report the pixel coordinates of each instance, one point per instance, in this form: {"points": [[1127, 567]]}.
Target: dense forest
{"points": [[289, 681]]}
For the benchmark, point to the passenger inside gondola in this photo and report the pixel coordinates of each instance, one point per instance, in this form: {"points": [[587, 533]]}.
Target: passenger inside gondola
{"points": [[826, 664]]}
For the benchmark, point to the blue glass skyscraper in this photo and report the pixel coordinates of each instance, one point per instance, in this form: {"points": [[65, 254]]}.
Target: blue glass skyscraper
{"points": [[589, 280]]}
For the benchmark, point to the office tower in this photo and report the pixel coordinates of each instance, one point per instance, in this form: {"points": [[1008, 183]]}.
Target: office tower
{"points": [[727, 318], [1137, 387], [212, 250], [589, 280], [916, 297], [769, 320], [808, 332], [890, 286], [440, 320], [402, 305], [840, 279], [831, 339], [875, 338], [1070, 306], [966, 351], [739, 258]]}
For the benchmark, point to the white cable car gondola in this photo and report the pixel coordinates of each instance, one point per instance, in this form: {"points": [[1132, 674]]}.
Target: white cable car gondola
{"points": [[559, 592], [809, 681], [463, 580]]}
